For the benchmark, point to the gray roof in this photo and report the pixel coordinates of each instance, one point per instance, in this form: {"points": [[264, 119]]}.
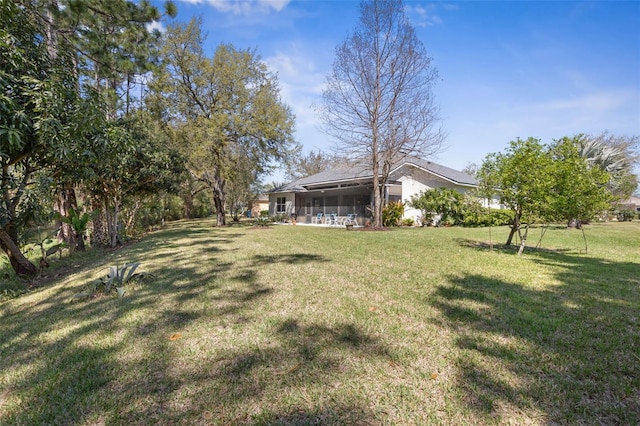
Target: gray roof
{"points": [[361, 172]]}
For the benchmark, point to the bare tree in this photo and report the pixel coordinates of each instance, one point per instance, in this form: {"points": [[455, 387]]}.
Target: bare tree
{"points": [[314, 162], [379, 102]]}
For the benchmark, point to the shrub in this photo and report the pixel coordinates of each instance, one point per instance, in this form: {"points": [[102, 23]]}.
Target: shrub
{"points": [[408, 222], [392, 213], [483, 216], [446, 202], [626, 215], [115, 280], [280, 217], [263, 220]]}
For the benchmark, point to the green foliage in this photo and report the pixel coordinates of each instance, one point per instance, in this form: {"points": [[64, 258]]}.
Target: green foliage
{"points": [[280, 217], [523, 176], [483, 216], [546, 183], [38, 117], [446, 202], [263, 220], [114, 281], [47, 246], [78, 221], [225, 114], [408, 222], [626, 215], [579, 191], [392, 213]]}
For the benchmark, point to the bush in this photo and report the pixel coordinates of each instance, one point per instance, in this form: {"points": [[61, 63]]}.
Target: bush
{"points": [[392, 213], [626, 215], [408, 222], [483, 216], [446, 202], [263, 220]]}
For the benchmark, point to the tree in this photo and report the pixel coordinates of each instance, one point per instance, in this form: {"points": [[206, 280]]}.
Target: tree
{"points": [[615, 155], [579, 189], [39, 112], [524, 177], [129, 158], [546, 183], [110, 48], [226, 110], [306, 165], [472, 169], [379, 102]]}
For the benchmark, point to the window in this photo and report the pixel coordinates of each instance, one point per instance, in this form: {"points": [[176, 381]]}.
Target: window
{"points": [[281, 205]]}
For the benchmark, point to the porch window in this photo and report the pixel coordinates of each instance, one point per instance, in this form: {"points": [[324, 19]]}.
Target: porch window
{"points": [[281, 205]]}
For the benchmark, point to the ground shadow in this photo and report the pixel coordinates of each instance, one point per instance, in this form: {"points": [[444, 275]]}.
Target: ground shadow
{"points": [[566, 352], [66, 375]]}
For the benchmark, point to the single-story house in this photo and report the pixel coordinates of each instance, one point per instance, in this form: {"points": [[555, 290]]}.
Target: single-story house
{"points": [[258, 204], [633, 203], [348, 189]]}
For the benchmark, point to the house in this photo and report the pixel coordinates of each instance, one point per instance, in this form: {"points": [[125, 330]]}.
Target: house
{"points": [[633, 203], [348, 189], [259, 204]]}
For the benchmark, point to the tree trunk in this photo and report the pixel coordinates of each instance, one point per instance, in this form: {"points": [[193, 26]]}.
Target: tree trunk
{"points": [[377, 189], [65, 201], [99, 234], [20, 264], [188, 204], [219, 199], [514, 228], [523, 239]]}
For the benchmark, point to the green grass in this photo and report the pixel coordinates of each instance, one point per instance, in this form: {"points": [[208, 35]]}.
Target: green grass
{"points": [[301, 325]]}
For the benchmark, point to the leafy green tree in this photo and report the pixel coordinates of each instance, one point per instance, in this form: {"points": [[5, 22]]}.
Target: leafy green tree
{"points": [[547, 183], [524, 176], [226, 111], [130, 158], [39, 112], [580, 189], [379, 102], [110, 49]]}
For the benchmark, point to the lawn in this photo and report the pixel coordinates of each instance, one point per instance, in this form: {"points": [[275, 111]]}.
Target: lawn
{"points": [[301, 325]]}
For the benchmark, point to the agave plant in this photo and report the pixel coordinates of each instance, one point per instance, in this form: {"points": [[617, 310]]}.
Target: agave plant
{"points": [[115, 279]]}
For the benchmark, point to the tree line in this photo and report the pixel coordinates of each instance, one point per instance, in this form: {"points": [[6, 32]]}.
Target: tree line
{"points": [[100, 116], [105, 123], [572, 180]]}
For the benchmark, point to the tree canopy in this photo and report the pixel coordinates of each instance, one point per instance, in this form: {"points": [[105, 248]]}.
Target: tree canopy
{"points": [[542, 183], [226, 110]]}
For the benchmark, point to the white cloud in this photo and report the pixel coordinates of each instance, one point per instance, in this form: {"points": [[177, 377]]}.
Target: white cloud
{"points": [[301, 84], [156, 25], [244, 7], [423, 16], [602, 102]]}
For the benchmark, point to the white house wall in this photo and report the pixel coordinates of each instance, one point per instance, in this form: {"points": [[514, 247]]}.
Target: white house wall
{"points": [[414, 181]]}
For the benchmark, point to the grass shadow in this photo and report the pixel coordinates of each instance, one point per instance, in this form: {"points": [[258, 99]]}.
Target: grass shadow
{"points": [[575, 341]]}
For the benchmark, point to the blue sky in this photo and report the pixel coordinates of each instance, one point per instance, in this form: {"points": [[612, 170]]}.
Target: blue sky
{"points": [[507, 69]]}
